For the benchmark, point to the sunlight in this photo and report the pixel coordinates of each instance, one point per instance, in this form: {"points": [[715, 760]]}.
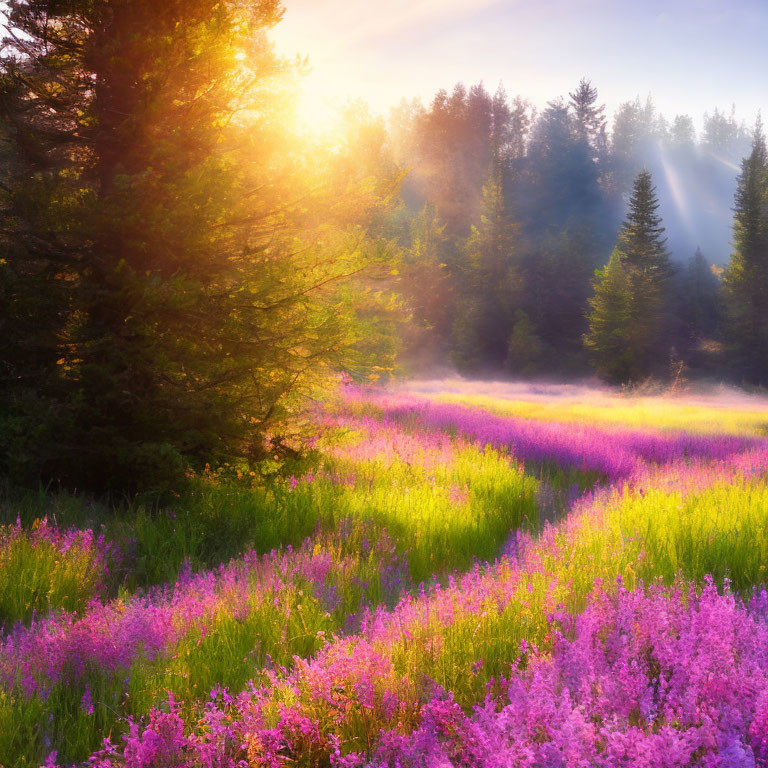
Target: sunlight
{"points": [[727, 163], [317, 110], [675, 184]]}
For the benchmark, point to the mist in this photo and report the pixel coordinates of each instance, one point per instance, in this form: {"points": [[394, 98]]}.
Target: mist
{"points": [[510, 213], [696, 188], [587, 393]]}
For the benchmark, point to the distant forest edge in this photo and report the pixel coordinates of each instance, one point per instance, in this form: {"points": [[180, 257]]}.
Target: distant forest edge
{"points": [[182, 269], [521, 208]]}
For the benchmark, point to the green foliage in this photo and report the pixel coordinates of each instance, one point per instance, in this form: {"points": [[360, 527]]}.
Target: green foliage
{"points": [[175, 280], [610, 323], [425, 263], [490, 283], [628, 315], [524, 349], [746, 277], [539, 216], [641, 239], [557, 277]]}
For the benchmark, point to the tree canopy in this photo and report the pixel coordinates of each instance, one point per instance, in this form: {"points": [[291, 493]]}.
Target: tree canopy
{"points": [[176, 274]]}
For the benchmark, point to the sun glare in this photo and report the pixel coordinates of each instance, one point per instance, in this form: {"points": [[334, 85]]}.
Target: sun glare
{"points": [[317, 109]]}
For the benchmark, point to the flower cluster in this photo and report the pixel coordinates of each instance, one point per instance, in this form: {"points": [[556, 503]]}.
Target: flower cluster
{"points": [[109, 637], [642, 679], [616, 453]]}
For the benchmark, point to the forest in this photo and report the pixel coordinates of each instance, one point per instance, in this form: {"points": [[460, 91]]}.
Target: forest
{"points": [[523, 208], [181, 267], [436, 438]]}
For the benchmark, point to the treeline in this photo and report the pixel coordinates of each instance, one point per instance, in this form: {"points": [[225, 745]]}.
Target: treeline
{"points": [[178, 270], [641, 305], [512, 217]]}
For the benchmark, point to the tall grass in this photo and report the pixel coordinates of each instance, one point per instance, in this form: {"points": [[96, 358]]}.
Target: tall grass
{"points": [[44, 569], [330, 649], [637, 412]]}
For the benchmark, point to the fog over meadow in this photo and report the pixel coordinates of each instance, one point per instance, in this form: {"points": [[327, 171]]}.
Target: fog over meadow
{"points": [[589, 393]]}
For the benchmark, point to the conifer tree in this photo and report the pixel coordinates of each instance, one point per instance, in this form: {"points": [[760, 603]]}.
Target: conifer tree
{"points": [[489, 284], [746, 277], [641, 259], [641, 239], [590, 118], [643, 246], [612, 336], [153, 197]]}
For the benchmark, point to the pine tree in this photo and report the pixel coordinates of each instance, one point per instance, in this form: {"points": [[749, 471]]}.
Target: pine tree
{"points": [[641, 259], [746, 277], [641, 239], [612, 339], [489, 284], [590, 118], [156, 195], [40, 90]]}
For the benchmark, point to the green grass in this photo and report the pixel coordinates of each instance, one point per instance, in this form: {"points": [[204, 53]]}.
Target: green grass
{"points": [[632, 412], [655, 537], [36, 577], [721, 531]]}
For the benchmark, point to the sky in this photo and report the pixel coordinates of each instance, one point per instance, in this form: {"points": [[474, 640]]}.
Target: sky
{"points": [[692, 55]]}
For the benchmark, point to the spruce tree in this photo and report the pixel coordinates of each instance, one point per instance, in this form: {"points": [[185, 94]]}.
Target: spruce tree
{"points": [[590, 118], [746, 277], [611, 339], [643, 246], [641, 252], [153, 198], [641, 238]]}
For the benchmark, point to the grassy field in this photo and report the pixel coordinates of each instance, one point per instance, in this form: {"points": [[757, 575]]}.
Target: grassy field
{"points": [[449, 579]]}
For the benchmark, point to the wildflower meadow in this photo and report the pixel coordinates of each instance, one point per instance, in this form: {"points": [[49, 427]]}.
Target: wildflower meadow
{"points": [[447, 580]]}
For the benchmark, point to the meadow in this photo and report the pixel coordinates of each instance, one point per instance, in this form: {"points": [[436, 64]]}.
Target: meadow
{"points": [[486, 575]]}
